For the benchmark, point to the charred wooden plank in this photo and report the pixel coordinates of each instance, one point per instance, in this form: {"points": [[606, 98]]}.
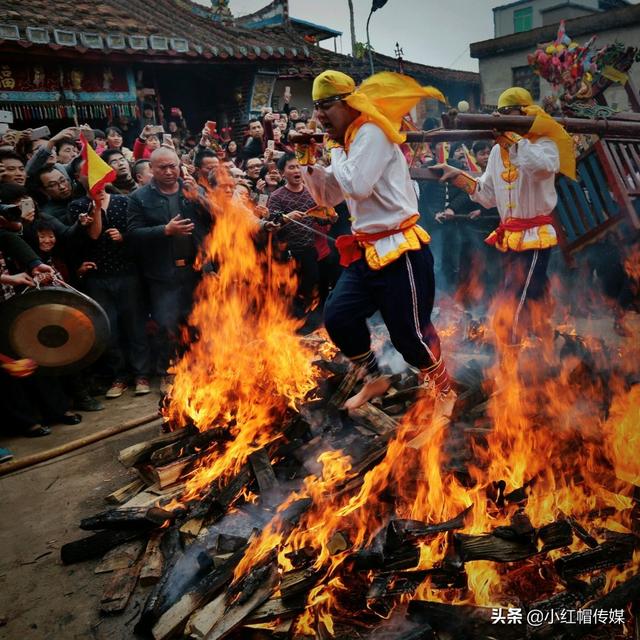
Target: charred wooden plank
{"points": [[491, 547], [183, 572], [406, 557], [401, 396], [121, 557], [135, 518], [119, 589], [96, 545], [604, 556], [298, 581], [555, 535], [221, 620], [153, 560], [139, 453], [228, 543], [263, 471], [126, 492], [175, 617], [278, 608], [398, 583], [582, 533], [374, 419], [399, 532], [365, 560], [188, 446], [216, 503], [165, 475], [348, 384]]}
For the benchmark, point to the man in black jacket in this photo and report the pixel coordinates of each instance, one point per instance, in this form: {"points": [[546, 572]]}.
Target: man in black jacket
{"points": [[167, 224]]}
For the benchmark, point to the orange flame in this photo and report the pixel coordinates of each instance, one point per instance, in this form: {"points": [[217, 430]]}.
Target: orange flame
{"points": [[247, 365]]}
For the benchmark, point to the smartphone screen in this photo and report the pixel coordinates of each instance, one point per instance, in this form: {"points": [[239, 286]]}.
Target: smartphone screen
{"points": [[271, 144], [263, 198], [27, 205], [39, 133], [166, 138]]}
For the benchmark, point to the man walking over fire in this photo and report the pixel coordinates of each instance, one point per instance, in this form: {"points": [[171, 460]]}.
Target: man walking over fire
{"points": [[387, 260], [520, 181]]}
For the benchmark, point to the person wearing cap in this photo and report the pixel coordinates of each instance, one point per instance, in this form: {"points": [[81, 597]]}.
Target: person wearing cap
{"points": [[387, 260], [520, 181]]}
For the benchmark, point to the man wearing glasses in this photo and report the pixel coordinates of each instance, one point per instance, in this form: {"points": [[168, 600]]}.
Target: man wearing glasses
{"points": [[166, 226], [520, 181], [388, 264], [57, 188]]}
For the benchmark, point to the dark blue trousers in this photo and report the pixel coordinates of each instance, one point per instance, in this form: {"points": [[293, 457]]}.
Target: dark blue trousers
{"points": [[402, 291], [525, 284]]}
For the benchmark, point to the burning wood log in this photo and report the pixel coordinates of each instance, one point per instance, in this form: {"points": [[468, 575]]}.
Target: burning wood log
{"points": [[492, 547], [166, 475], [188, 446], [142, 518], [215, 504], [141, 452], [263, 471], [604, 556], [582, 533], [217, 621], [298, 581], [175, 617], [399, 532], [375, 419], [555, 535], [278, 608]]}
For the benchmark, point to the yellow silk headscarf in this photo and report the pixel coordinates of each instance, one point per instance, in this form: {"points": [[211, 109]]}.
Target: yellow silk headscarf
{"points": [[384, 99], [543, 126]]}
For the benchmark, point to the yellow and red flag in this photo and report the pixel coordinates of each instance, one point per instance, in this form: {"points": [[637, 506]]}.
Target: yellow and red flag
{"points": [[472, 165], [442, 152], [98, 172]]}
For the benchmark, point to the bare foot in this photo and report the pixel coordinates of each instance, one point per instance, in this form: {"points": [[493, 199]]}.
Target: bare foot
{"points": [[371, 389], [440, 418]]}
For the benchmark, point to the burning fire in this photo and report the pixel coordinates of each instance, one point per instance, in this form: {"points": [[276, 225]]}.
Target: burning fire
{"points": [[553, 443], [246, 365]]}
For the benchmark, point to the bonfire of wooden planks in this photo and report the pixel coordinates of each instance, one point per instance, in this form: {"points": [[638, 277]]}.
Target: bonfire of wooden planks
{"points": [[181, 560]]}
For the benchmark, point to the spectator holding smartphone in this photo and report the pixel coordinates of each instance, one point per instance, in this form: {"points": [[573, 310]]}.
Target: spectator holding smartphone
{"points": [[147, 142]]}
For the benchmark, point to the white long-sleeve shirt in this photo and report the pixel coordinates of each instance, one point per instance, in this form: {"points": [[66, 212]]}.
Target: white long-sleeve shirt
{"points": [[532, 194], [373, 179]]}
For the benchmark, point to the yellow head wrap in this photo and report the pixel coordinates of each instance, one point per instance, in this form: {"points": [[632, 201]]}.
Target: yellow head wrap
{"points": [[543, 126], [384, 98], [515, 97]]}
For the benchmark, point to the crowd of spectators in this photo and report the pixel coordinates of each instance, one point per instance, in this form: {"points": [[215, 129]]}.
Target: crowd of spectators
{"points": [[133, 247]]}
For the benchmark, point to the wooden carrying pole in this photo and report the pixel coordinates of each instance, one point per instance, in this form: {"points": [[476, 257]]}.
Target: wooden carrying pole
{"points": [[434, 135], [36, 458], [479, 123], [479, 126]]}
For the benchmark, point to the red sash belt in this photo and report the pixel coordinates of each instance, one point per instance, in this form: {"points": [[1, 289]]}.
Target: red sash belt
{"points": [[349, 248], [517, 224]]}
